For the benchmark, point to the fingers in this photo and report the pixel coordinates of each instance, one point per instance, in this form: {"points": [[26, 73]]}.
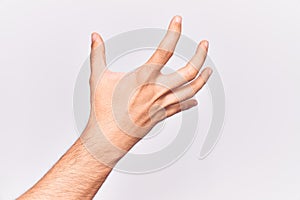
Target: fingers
{"points": [[178, 107], [173, 109], [191, 69], [167, 46], [187, 91], [97, 57]]}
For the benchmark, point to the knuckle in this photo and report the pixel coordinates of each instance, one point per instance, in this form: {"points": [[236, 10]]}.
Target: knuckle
{"points": [[169, 54], [191, 72], [202, 80], [163, 53], [193, 89]]}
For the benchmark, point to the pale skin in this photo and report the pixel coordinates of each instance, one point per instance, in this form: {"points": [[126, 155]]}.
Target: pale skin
{"points": [[124, 108]]}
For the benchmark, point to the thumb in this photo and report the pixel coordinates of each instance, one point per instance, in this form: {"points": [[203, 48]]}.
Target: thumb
{"points": [[97, 57]]}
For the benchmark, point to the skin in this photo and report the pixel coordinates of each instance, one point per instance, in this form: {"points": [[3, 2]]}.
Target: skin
{"points": [[124, 108]]}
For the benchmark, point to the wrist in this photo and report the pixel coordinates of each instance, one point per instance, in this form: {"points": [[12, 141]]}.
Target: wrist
{"points": [[107, 145]]}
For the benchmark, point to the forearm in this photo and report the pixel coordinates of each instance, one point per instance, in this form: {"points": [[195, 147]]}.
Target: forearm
{"points": [[77, 175]]}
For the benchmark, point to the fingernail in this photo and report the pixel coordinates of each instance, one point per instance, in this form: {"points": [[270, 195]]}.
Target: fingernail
{"points": [[195, 103], [94, 37], [205, 43], [178, 19], [209, 71]]}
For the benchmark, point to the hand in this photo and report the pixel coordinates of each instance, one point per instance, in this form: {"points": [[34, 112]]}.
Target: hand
{"points": [[125, 106]]}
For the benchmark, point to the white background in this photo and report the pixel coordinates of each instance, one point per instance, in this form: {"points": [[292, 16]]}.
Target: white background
{"points": [[254, 44]]}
